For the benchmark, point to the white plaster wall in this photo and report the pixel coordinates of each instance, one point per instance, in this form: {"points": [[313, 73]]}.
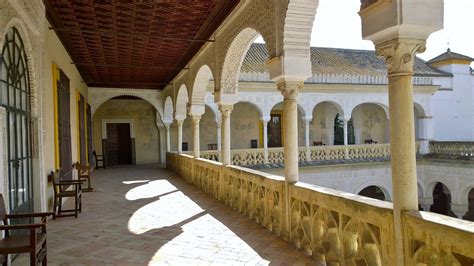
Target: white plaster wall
{"points": [[353, 178], [453, 111]]}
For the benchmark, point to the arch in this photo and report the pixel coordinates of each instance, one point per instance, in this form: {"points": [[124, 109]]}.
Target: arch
{"points": [[420, 110], [168, 111], [20, 26], [374, 184], [442, 199], [421, 191], [95, 105], [181, 103], [467, 191], [256, 106], [200, 84], [234, 59], [299, 21], [338, 106], [300, 108], [370, 124], [430, 187]]}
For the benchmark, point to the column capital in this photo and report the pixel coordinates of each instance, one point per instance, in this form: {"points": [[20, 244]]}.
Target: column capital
{"points": [[290, 89], [307, 119], [196, 118], [179, 121], [265, 119], [225, 109], [167, 125], [399, 55]]}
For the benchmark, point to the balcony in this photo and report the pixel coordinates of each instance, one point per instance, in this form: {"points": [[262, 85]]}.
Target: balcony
{"points": [[329, 225]]}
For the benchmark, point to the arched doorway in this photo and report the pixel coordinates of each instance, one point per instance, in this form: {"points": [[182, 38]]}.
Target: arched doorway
{"points": [[441, 200], [374, 192], [125, 131], [470, 213], [15, 98], [339, 131], [276, 137]]}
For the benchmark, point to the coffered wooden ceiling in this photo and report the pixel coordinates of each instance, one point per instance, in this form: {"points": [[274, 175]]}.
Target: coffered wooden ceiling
{"points": [[134, 44]]}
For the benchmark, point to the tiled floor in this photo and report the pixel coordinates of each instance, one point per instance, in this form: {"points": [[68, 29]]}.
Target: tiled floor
{"points": [[147, 215]]}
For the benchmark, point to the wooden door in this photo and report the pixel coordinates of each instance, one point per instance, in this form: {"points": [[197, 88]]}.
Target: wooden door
{"points": [[64, 126], [82, 131], [119, 144], [274, 131], [89, 133]]}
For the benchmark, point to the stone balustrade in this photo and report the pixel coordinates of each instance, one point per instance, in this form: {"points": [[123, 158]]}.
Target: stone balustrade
{"points": [[435, 239], [335, 228], [246, 157], [452, 148]]}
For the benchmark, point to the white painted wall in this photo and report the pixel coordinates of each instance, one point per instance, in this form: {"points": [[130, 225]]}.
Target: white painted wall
{"points": [[453, 108]]}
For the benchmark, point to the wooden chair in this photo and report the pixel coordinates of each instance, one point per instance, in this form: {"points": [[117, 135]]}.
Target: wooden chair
{"points": [[33, 243], [65, 189], [84, 174], [370, 141], [98, 158]]}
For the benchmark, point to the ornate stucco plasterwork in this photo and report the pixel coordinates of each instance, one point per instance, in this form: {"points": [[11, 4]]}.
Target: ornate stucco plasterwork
{"points": [[399, 55]]}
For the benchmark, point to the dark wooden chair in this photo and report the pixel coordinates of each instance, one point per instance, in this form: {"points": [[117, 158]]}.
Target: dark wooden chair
{"points": [[370, 141], [98, 158], [318, 143], [84, 174], [34, 242], [65, 189]]}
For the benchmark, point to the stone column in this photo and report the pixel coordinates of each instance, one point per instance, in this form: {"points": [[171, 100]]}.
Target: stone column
{"points": [[265, 138], [168, 142], [289, 90], [226, 109], [399, 57], [346, 138], [180, 135], [219, 136], [307, 120], [196, 139]]}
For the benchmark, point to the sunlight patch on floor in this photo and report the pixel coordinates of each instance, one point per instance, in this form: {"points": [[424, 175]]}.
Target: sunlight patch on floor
{"points": [[150, 190], [206, 240], [168, 210]]}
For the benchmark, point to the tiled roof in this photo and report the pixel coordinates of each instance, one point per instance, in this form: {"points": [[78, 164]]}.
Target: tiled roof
{"points": [[336, 61], [448, 55]]}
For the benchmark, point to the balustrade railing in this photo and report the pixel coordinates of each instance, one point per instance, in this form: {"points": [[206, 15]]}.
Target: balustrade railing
{"points": [[452, 148], [333, 227], [246, 157]]}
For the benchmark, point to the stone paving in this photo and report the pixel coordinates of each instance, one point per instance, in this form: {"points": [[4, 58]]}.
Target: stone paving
{"points": [[145, 215]]}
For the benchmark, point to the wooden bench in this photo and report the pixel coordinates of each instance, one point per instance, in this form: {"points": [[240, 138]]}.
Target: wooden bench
{"points": [[370, 141]]}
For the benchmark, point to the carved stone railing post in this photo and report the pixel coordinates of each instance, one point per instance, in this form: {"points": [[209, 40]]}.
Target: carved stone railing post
{"points": [[180, 135], [399, 57], [196, 140], [226, 109]]}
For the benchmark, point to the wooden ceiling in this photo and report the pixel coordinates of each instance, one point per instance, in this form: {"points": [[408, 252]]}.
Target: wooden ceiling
{"points": [[134, 44]]}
